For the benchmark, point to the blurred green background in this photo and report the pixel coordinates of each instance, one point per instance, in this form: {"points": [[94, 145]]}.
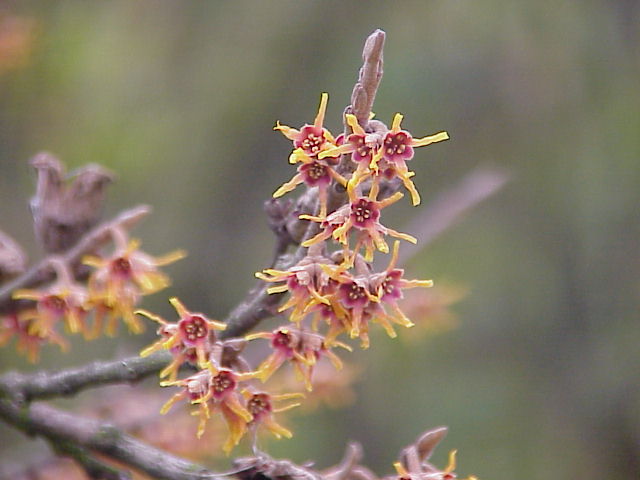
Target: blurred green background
{"points": [[541, 378]]}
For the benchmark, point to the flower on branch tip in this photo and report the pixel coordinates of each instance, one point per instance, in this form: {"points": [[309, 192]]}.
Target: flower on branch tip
{"points": [[301, 348], [383, 155], [398, 144], [190, 339], [121, 278], [397, 149], [361, 145], [310, 140]]}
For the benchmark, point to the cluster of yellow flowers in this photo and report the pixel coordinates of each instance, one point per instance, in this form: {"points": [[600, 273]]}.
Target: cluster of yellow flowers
{"points": [[115, 286]]}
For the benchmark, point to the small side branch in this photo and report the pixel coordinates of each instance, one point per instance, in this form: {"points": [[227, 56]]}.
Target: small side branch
{"points": [[450, 206]]}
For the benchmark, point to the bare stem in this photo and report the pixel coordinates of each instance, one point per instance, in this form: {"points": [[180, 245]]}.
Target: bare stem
{"points": [[365, 89], [41, 385]]}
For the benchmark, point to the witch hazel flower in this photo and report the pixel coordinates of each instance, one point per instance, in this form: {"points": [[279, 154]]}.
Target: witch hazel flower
{"points": [[310, 140], [383, 155], [314, 173], [306, 281], [194, 388], [107, 314], [64, 301], [388, 286], [190, 339], [301, 348], [397, 149], [362, 215], [27, 342], [372, 297], [119, 279], [261, 406], [224, 395], [215, 390], [361, 145]]}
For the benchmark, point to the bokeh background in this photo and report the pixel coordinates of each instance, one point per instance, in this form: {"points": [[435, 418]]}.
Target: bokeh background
{"points": [[540, 377]]}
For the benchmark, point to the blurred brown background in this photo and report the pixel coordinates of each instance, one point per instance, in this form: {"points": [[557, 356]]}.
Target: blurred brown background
{"points": [[541, 377]]}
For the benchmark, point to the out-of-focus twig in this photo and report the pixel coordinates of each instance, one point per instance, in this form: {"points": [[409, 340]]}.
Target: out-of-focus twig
{"points": [[450, 206], [65, 207], [43, 272]]}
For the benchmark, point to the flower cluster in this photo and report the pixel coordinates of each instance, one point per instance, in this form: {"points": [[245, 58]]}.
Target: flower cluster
{"points": [[335, 291], [348, 295], [222, 385], [113, 290], [122, 278], [330, 293]]}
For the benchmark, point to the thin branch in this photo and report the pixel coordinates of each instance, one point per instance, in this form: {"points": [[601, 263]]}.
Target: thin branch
{"points": [[58, 426], [41, 385], [42, 272]]}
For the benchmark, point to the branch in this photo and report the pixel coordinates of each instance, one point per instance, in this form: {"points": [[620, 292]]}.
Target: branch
{"points": [[258, 304], [40, 385], [365, 89], [447, 209], [61, 427], [43, 273]]}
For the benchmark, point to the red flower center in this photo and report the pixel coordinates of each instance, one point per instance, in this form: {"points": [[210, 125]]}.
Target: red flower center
{"points": [[194, 328], [362, 150], [316, 171], [364, 212], [54, 303], [259, 405], [353, 294], [396, 144], [311, 140], [388, 286], [281, 340], [223, 382], [121, 266]]}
